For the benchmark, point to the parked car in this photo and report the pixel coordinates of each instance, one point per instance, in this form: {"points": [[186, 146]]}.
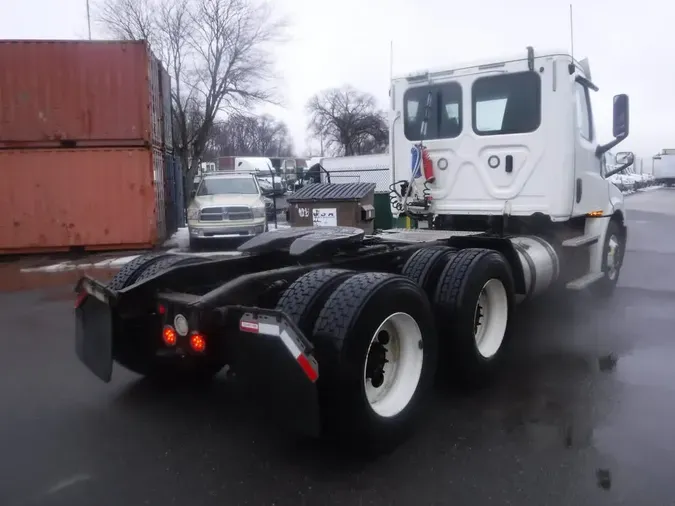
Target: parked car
{"points": [[226, 205]]}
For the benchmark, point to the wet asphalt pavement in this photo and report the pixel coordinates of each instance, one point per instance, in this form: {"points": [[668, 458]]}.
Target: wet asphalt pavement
{"points": [[583, 415]]}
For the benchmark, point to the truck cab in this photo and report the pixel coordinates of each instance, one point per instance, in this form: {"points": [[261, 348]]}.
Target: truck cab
{"points": [[513, 137]]}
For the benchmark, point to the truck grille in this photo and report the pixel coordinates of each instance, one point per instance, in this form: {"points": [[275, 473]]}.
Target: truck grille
{"points": [[211, 214], [233, 213], [239, 213]]}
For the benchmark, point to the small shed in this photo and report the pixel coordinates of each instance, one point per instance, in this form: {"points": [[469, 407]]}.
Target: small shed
{"points": [[333, 205]]}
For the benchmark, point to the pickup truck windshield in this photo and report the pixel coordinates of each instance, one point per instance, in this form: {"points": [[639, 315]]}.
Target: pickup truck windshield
{"points": [[222, 186]]}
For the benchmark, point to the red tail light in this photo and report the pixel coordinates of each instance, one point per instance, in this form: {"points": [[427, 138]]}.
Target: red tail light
{"points": [[169, 336], [198, 342]]}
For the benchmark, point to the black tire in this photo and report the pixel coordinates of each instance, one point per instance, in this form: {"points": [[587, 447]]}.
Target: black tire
{"points": [[127, 275], [303, 300], [137, 353], [424, 267], [455, 305], [342, 338], [605, 286]]}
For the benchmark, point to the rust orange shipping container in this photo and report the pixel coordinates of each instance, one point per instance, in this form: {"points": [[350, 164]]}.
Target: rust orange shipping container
{"points": [[96, 199], [79, 94]]}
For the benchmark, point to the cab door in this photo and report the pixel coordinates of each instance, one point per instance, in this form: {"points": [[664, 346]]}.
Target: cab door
{"points": [[590, 187]]}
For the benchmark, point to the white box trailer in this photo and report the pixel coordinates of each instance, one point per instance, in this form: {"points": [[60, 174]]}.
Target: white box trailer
{"points": [[664, 167]]}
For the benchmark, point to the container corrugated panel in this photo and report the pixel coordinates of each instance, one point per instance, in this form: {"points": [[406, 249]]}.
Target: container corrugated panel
{"points": [[158, 178], [171, 195], [180, 190], [320, 191], [167, 120], [74, 93], [156, 106], [53, 200]]}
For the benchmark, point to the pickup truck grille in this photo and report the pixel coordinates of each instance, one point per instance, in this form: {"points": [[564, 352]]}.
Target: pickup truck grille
{"points": [[239, 213], [232, 213]]}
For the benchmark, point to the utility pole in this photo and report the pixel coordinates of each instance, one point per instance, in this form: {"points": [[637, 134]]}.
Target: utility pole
{"points": [[88, 20]]}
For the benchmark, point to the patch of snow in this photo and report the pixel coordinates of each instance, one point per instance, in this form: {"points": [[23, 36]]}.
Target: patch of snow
{"points": [[180, 239], [60, 267], [651, 188], [70, 266], [180, 251], [119, 262], [280, 226], [642, 190]]}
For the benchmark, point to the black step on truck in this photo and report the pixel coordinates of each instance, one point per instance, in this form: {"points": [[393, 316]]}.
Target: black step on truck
{"points": [[349, 330]]}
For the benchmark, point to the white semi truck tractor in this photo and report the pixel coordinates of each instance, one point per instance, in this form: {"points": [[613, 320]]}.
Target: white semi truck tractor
{"points": [[348, 331]]}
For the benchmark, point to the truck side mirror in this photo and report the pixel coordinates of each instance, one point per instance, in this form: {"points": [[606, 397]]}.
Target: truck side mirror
{"points": [[193, 194], [626, 159], [620, 124], [621, 117]]}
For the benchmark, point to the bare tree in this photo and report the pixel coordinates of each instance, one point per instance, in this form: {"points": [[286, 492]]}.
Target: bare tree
{"points": [[218, 53], [249, 136], [348, 122]]}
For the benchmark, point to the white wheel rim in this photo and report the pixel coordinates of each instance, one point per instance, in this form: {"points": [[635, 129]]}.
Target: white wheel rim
{"points": [[403, 369], [612, 257], [490, 318]]}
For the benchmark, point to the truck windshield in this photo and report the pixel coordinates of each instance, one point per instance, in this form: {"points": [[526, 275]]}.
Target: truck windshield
{"points": [[506, 104], [445, 113], [222, 186]]}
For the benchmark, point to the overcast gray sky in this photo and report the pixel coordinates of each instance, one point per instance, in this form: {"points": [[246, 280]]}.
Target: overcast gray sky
{"points": [[629, 45]]}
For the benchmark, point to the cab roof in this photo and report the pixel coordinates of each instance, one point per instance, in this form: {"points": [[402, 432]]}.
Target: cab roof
{"points": [[495, 60]]}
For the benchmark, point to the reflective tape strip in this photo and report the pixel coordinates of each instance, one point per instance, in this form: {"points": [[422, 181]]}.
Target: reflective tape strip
{"points": [[248, 326], [269, 329], [290, 344]]}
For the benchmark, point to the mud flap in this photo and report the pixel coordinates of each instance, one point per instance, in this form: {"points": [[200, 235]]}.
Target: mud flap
{"points": [[94, 337], [264, 360]]}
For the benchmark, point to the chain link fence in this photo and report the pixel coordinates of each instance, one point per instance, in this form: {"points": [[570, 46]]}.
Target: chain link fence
{"points": [[381, 177]]}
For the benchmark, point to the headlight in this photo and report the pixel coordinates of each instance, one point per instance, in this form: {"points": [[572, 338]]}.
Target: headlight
{"points": [[193, 213], [258, 212]]}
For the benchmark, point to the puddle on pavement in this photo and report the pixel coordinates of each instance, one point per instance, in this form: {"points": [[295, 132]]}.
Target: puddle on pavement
{"points": [[651, 367]]}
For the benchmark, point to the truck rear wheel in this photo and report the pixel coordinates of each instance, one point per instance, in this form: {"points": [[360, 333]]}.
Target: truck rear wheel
{"points": [[303, 300], [473, 303], [136, 351], [425, 266], [376, 346]]}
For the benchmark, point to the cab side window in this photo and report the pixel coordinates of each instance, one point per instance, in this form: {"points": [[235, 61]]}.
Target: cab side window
{"points": [[584, 114]]}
